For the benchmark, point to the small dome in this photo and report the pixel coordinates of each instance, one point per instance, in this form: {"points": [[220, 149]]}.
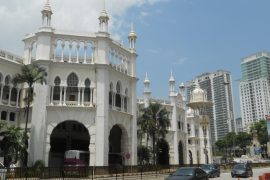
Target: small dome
{"points": [[182, 85], [132, 32], [47, 7], [198, 95], [189, 112], [146, 80], [103, 15]]}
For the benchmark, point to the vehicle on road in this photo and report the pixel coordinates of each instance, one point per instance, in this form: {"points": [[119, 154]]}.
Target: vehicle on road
{"points": [[188, 173], [76, 158], [242, 170], [212, 170]]}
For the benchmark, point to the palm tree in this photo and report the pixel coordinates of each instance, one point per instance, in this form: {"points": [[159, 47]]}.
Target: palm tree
{"points": [[30, 74], [13, 144], [154, 121]]}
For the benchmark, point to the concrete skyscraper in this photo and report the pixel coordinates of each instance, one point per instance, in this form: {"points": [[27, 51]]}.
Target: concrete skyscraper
{"points": [[254, 88], [218, 87]]}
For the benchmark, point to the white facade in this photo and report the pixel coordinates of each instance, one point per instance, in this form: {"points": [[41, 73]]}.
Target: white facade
{"points": [[185, 137], [89, 101]]}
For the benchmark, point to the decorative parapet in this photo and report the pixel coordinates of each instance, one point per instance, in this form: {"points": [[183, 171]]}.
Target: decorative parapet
{"points": [[10, 56]]}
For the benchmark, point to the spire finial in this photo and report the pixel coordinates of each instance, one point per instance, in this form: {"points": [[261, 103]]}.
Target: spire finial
{"points": [[104, 5], [171, 78], [146, 80]]}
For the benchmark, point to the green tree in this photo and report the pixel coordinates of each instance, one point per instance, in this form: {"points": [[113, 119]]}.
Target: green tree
{"points": [[144, 155], [154, 121], [13, 144], [30, 74], [221, 144], [243, 139], [261, 130]]}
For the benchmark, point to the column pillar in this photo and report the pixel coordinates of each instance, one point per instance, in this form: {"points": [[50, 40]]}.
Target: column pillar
{"points": [[85, 48], [8, 115], [65, 94], [69, 53], [2, 91], [79, 95], [9, 95], [91, 96], [78, 46], [52, 89], [60, 103], [82, 103], [62, 51], [17, 98]]}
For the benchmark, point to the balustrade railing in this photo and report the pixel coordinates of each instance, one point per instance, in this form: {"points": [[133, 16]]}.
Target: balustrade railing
{"points": [[10, 56]]}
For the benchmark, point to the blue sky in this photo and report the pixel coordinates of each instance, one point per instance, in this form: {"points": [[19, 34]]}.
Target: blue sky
{"points": [[196, 36], [189, 37]]}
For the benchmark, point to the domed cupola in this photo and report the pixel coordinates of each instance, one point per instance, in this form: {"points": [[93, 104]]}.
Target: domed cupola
{"points": [[132, 37], [198, 95], [103, 21], [46, 14], [190, 112]]}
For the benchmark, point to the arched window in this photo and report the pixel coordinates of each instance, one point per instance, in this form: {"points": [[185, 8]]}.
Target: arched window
{"points": [[14, 95], [72, 89], [6, 94], [3, 115], [12, 116], [87, 92], [111, 94], [118, 95], [126, 100], [7, 80], [56, 89]]}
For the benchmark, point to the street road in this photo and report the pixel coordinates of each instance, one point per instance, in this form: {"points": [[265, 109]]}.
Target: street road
{"points": [[227, 175]]}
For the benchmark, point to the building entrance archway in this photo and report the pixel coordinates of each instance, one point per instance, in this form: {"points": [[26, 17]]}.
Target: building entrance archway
{"points": [[118, 145], [181, 153], [163, 152], [68, 135]]}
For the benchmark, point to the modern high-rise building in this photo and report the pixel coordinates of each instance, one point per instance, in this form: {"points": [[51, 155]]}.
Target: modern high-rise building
{"points": [[218, 87], [254, 88]]}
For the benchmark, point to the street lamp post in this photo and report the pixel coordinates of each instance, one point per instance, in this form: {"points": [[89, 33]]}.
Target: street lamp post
{"points": [[199, 102]]}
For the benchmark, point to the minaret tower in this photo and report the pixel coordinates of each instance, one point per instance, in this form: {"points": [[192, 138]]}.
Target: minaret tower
{"points": [[147, 91], [103, 20], [132, 38], [46, 14], [172, 85], [182, 91]]}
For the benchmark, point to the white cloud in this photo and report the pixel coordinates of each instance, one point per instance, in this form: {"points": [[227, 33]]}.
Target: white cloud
{"points": [[180, 61], [19, 17]]}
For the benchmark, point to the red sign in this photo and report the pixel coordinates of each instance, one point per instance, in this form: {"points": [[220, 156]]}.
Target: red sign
{"points": [[127, 155]]}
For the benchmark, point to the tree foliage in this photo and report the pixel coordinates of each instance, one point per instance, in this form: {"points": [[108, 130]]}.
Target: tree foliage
{"points": [[13, 144], [144, 155], [154, 121], [261, 130], [30, 74]]}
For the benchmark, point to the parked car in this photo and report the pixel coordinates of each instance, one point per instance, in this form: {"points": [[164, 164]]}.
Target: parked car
{"points": [[242, 170], [212, 170], [188, 173]]}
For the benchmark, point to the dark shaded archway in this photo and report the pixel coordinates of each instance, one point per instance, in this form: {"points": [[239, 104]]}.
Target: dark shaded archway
{"points": [[181, 153], [163, 153], [115, 150], [68, 135], [190, 157]]}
